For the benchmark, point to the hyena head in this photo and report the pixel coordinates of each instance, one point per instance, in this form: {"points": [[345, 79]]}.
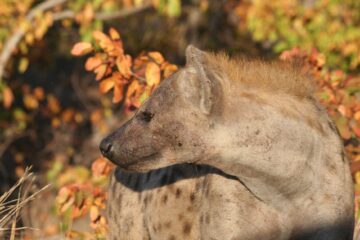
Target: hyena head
{"points": [[170, 127]]}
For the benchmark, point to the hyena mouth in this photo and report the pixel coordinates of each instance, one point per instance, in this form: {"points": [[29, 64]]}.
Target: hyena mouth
{"points": [[138, 161]]}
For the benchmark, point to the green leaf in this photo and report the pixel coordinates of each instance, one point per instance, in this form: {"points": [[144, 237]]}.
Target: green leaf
{"points": [[143, 96], [174, 8], [54, 171], [23, 64], [353, 90]]}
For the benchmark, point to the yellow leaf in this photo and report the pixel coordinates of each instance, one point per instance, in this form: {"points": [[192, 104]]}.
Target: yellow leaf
{"points": [[94, 213], [169, 69], [81, 48], [114, 35], [103, 40], [30, 38], [106, 84], [123, 64], [8, 97], [357, 116], [152, 74], [357, 177], [23, 64], [350, 48], [157, 57], [55, 122]]}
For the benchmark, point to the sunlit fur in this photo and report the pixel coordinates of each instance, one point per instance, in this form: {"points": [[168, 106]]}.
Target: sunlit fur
{"points": [[273, 77], [236, 149]]}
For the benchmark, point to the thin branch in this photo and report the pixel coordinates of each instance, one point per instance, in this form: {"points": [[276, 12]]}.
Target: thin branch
{"points": [[13, 41], [141, 79], [104, 16], [63, 15], [20, 229], [122, 13]]}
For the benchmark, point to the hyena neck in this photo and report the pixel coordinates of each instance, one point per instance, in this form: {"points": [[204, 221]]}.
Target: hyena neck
{"points": [[276, 159]]}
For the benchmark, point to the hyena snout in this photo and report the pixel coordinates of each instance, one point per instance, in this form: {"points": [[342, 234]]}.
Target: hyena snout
{"points": [[112, 148], [129, 145], [109, 146], [106, 148]]}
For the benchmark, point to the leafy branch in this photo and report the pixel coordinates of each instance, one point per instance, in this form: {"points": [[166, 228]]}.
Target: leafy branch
{"points": [[14, 40]]}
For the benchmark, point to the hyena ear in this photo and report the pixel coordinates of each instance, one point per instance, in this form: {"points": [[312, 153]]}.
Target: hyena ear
{"points": [[204, 80]]}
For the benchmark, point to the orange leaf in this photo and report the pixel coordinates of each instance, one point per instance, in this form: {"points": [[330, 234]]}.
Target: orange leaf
{"points": [[88, 13], [39, 93], [81, 48], [65, 198], [98, 166], [114, 35], [96, 116], [118, 93], [8, 97], [152, 74], [53, 104], [107, 84], [94, 213], [30, 102], [67, 115], [92, 63], [101, 166], [123, 64], [157, 57], [63, 195], [132, 88], [103, 40], [357, 116], [169, 69], [343, 110], [100, 71], [55, 122]]}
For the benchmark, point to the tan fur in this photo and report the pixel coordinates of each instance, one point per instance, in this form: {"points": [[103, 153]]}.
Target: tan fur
{"points": [[273, 77], [267, 82], [230, 149]]}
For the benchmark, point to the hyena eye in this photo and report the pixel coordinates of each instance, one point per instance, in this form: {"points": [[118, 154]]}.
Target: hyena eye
{"points": [[146, 116]]}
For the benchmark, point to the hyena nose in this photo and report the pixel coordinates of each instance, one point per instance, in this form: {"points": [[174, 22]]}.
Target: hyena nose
{"points": [[106, 148]]}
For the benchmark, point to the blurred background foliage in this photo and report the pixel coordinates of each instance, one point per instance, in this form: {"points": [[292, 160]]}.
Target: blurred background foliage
{"points": [[72, 71], [330, 26]]}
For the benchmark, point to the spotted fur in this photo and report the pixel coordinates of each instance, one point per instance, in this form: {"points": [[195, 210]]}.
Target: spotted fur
{"points": [[230, 149]]}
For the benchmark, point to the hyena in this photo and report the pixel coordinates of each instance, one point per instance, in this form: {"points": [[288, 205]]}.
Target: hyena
{"points": [[230, 149]]}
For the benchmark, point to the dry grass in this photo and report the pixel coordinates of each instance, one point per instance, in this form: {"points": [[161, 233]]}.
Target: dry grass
{"points": [[10, 207]]}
